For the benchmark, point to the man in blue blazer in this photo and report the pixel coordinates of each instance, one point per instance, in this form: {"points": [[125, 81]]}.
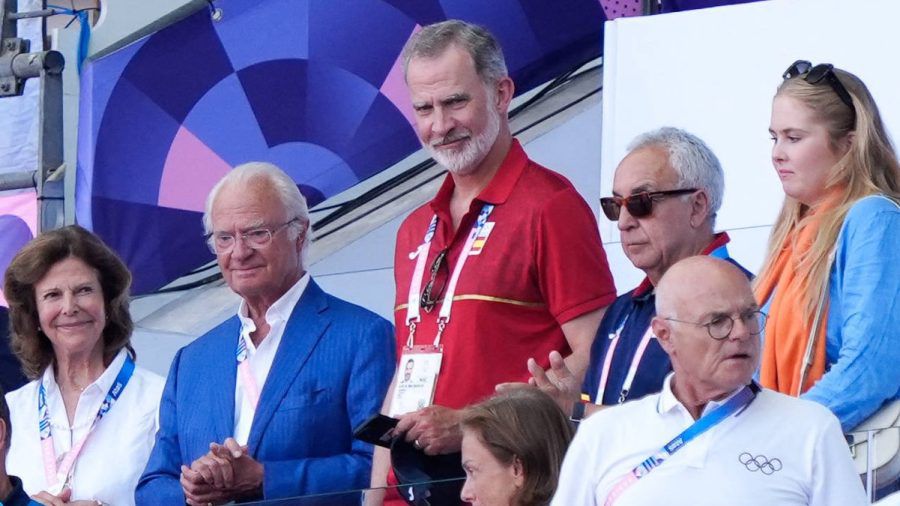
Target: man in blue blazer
{"points": [[264, 405]]}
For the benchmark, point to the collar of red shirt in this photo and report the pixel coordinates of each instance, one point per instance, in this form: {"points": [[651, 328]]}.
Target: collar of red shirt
{"points": [[496, 192], [718, 241]]}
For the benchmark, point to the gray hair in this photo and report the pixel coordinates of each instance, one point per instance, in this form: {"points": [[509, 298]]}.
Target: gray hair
{"points": [[696, 165], [292, 201], [433, 40]]}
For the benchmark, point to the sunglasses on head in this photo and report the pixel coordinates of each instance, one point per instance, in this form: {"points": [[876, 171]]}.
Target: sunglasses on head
{"points": [[815, 75], [639, 205]]}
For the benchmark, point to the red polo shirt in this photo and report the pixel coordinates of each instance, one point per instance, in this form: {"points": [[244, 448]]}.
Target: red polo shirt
{"points": [[542, 265]]}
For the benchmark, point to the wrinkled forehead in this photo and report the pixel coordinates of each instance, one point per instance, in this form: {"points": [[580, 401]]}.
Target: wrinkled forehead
{"points": [[644, 169], [708, 294], [453, 65], [247, 206]]}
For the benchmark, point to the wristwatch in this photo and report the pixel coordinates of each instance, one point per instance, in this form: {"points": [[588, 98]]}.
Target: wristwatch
{"points": [[577, 412]]}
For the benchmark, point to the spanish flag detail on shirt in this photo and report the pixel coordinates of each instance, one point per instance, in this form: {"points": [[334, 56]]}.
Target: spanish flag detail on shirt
{"points": [[481, 238]]}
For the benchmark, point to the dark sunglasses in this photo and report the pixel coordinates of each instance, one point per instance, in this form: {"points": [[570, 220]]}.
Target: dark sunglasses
{"points": [[639, 204], [815, 75], [430, 295]]}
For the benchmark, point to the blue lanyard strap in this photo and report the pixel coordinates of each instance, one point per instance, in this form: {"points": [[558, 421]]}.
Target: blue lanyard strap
{"points": [[733, 406], [720, 252], [242, 351], [115, 391]]}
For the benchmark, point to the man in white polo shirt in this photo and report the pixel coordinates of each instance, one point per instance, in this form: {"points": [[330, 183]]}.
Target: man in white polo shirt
{"points": [[712, 436]]}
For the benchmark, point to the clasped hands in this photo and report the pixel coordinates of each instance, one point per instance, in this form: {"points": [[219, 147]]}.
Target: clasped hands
{"points": [[224, 474]]}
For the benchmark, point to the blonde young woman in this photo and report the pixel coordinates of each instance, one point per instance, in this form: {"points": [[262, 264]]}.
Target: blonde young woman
{"points": [[831, 281]]}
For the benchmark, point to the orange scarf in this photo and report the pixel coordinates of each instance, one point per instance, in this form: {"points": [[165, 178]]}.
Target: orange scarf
{"points": [[787, 329]]}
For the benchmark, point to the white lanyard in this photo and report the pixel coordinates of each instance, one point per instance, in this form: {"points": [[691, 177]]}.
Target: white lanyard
{"points": [[58, 476], [413, 315], [632, 370]]}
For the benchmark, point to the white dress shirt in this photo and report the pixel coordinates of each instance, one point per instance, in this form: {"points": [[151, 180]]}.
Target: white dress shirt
{"points": [[779, 451], [261, 357], [115, 453]]}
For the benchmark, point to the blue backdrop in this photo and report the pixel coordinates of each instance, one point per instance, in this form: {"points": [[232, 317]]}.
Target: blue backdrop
{"points": [[314, 87]]}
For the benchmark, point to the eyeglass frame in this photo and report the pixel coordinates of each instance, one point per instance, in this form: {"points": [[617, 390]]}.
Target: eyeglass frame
{"points": [[244, 236], [814, 75], [649, 197], [760, 316], [426, 302]]}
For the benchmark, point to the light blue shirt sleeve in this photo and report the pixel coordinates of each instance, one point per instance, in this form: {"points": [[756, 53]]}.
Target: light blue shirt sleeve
{"points": [[863, 334]]}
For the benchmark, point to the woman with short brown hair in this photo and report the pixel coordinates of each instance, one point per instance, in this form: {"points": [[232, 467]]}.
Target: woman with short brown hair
{"points": [[513, 447], [86, 422]]}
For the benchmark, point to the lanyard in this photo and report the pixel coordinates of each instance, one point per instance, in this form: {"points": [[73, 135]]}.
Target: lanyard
{"points": [[413, 315], [58, 476], [733, 406], [720, 252], [632, 370], [251, 389]]}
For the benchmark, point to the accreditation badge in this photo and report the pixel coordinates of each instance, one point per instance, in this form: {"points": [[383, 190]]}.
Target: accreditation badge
{"points": [[416, 379]]}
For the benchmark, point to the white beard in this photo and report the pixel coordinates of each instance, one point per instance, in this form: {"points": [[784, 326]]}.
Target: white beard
{"points": [[466, 159]]}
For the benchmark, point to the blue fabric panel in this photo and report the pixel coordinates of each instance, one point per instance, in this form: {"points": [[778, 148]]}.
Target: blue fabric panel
{"points": [[373, 34], [179, 64], [381, 140], [308, 101], [128, 162], [244, 22], [158, 244], [242, 141], [423, 12]]}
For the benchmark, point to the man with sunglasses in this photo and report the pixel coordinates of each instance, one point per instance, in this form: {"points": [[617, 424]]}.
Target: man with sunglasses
{"points": [[263, 406], [505, 261], [666, 193], [712, 435]]}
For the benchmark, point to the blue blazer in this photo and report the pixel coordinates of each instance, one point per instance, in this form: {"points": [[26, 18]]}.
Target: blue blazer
{"points": [[330, 373]]}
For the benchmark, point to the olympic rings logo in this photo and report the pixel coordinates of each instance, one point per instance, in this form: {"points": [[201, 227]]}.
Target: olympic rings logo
{"points": [[760, 463]]}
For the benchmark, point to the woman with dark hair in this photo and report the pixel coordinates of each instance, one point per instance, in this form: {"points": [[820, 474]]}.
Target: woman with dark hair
{"points": [[512, 449], [86, 422]]}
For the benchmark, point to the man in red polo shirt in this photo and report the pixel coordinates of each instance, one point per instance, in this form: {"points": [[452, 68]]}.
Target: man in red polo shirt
{"points": [[504, 264]]}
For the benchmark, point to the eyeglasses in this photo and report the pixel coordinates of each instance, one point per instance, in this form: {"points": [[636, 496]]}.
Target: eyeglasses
{"points": [[720, 326], [430, 296], [223, 242], [639, 205], [815, 75]]}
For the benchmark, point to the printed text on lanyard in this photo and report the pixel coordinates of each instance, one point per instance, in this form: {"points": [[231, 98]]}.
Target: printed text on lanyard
{"points": [[733, 406]]}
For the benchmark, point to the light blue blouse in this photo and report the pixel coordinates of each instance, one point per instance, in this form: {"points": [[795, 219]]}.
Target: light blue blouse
{"points": [[863, 340]]}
